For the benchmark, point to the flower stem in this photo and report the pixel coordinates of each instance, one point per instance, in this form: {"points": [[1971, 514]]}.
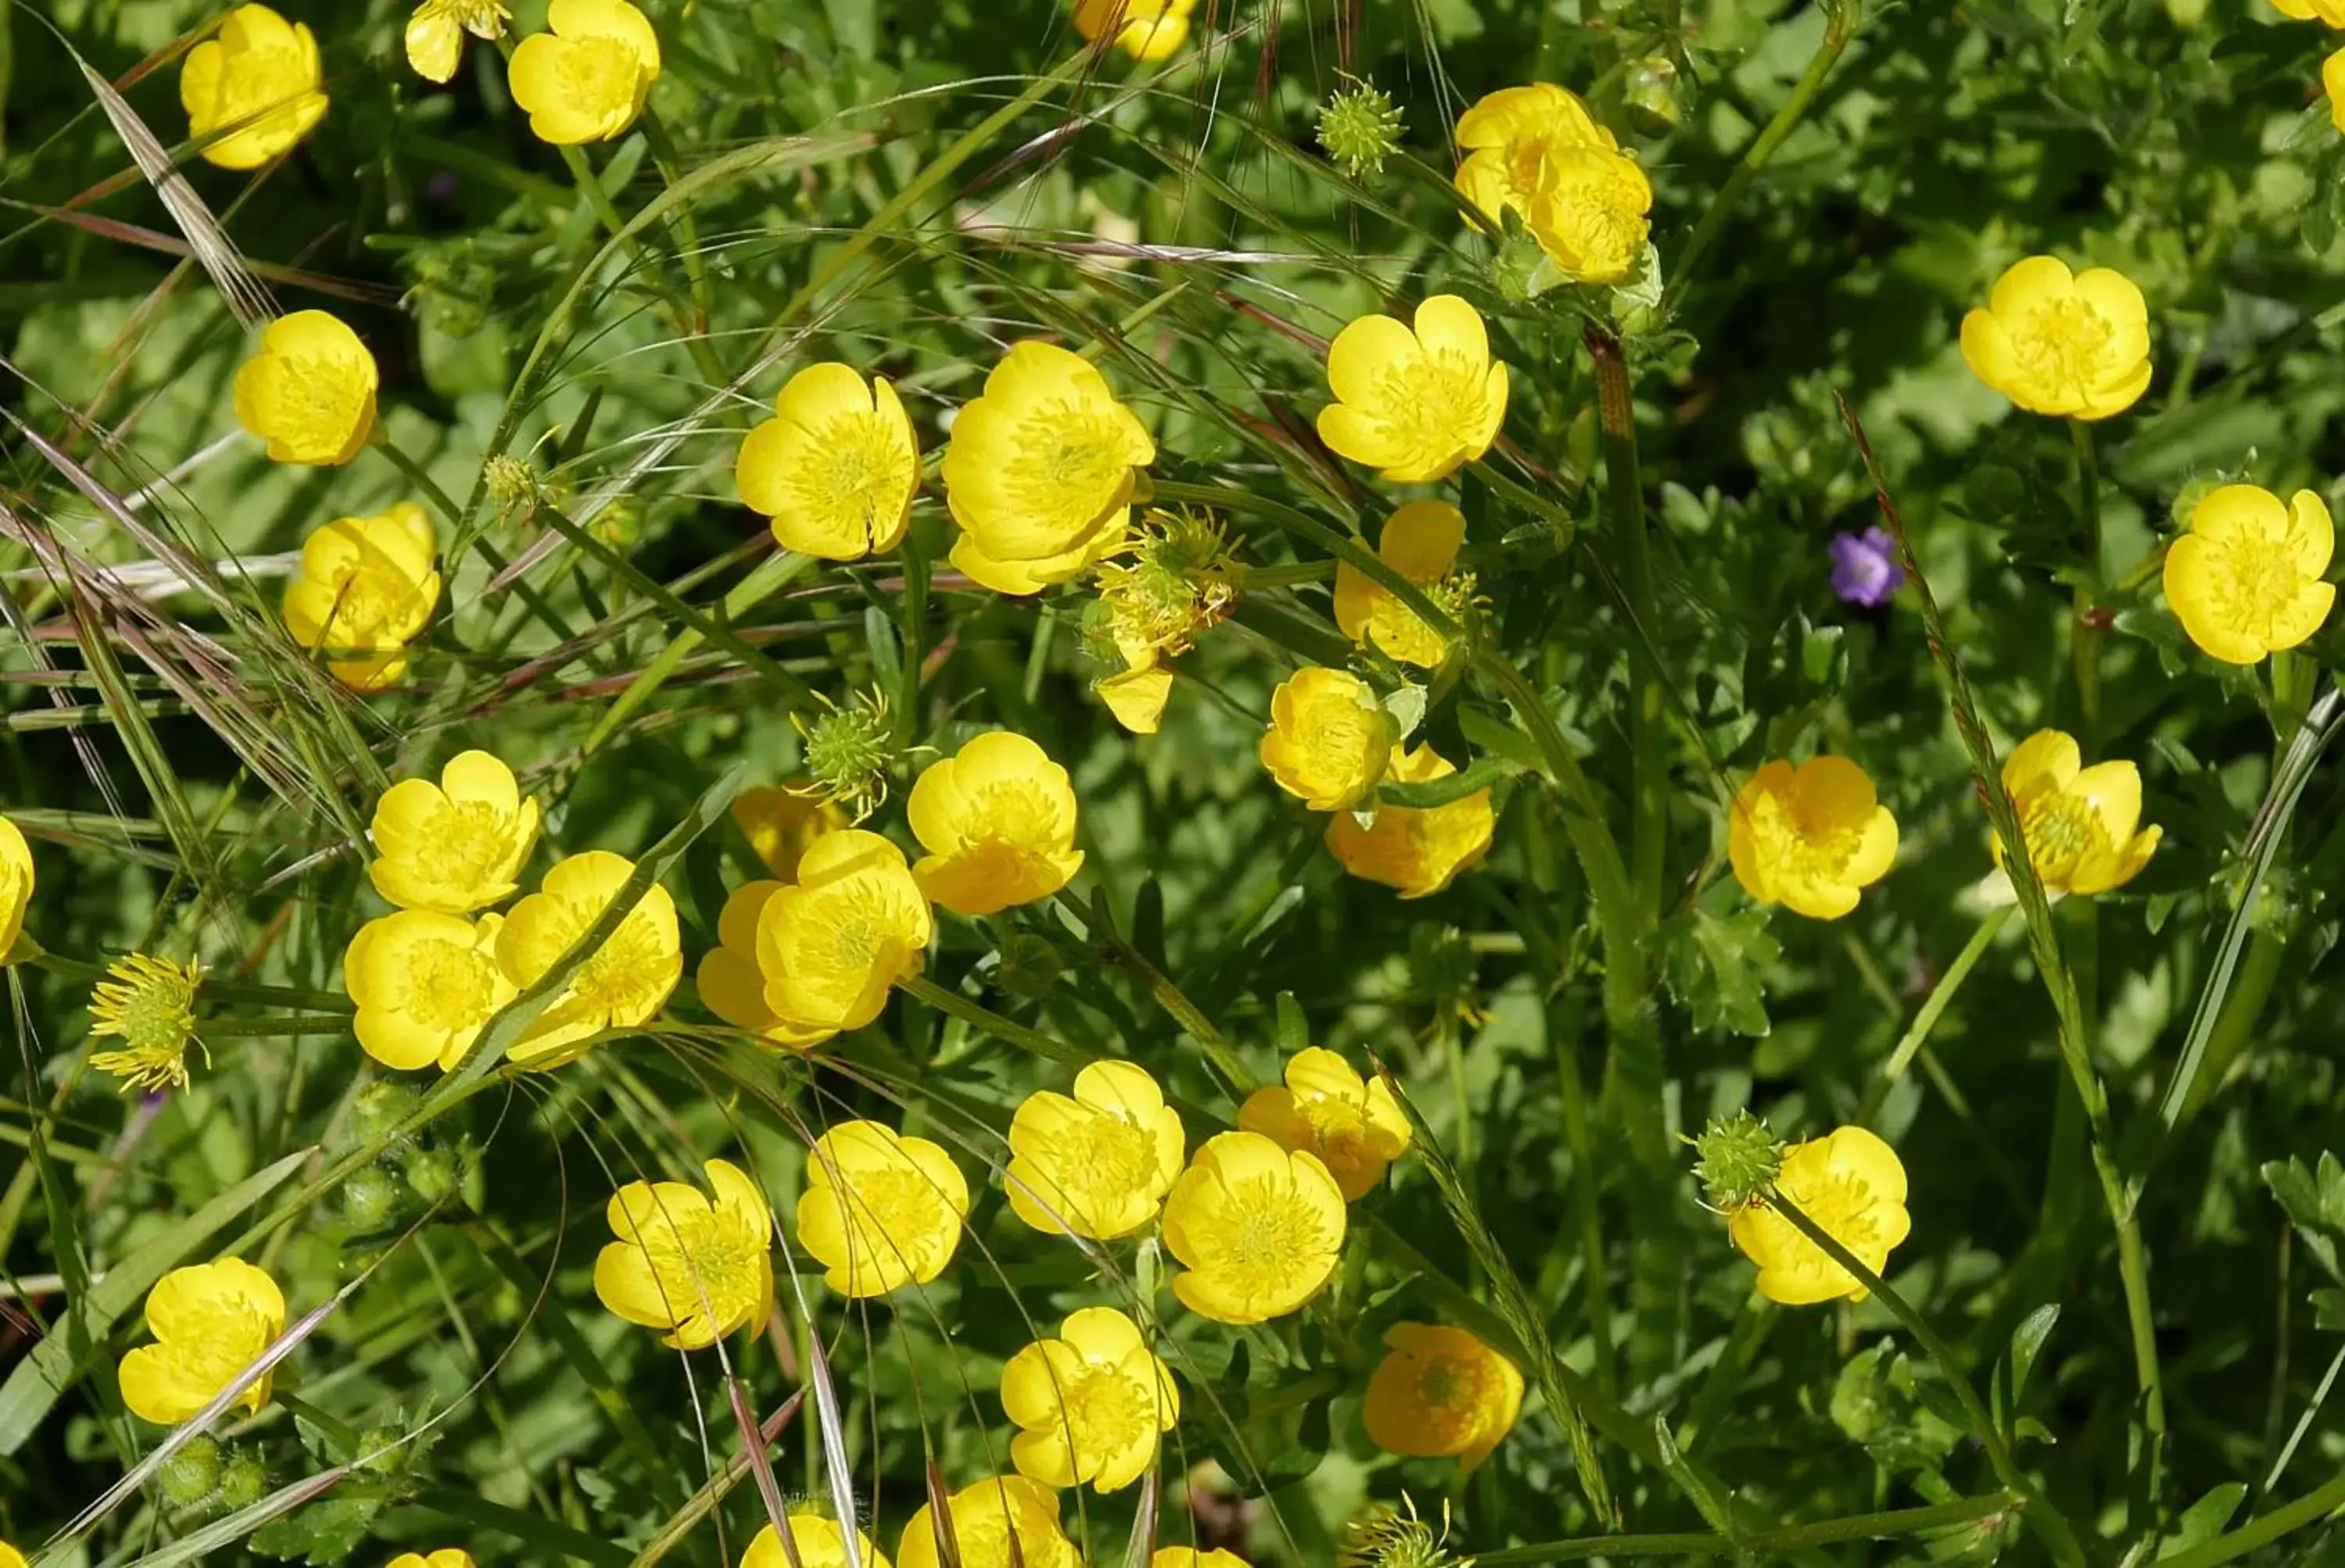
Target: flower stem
{"points": [[1624, 498], [1761, 1544], [977, 1015], [1168, 997], [2085, 642], [1917, 1033]]}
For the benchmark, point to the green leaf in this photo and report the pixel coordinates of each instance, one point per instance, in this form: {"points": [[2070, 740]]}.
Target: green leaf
{"points": [[1714, 966], [322, 1533], [2027, 1343]]}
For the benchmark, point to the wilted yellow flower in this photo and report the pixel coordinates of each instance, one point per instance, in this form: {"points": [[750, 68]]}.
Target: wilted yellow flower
{"points": [[309, 391], [880, 1211], [586, 77], [1147, 30], [1097, 1165], [1090, 1405], [998, 820], [15, 884], [255, 79], [1810, 836], [620, 984], [694, 1268], [2245, 581], [1850, 1183], [1136, 698], [854, 924], [150, 1004], [1354, 1127], [424, 983], [367, 589], [435, 34], [456, 846], [2073, 346], [1417, 403], [1171, 580], [2078, 823], [1420, 541], [782, 823], [1419, 849], [1329, 738], [1039, 471], [837, 466], [819, 1540], [1441, 1393], [1259, 1229], [986, 1519], [210, 1321], [730, 983]]}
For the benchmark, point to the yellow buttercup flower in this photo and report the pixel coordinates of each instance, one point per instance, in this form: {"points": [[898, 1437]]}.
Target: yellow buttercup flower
{"points": [[456, 846], [150, 1004], [1329, 738], [1420, 541], [620, 985], [2332, 81], [2070, 345], [694, 1267], [1510, 138], [881, 1210], [1090, 1405], [367, 589], [1440, 1393], [730, 983], [1353, 1127], [211, 1322], [1174, 577], [1811, 836], [1190, 1557], [255, 79], [1417, 403], [1535, 150], [435, 34], [1850, 1183], [1419, 849], [1258, 1230], [2331, 11], [2078, 823], [447, 1556], [782, 822], [855, 923], [2245, 581], [15, 884], [585, 78], [310, 389], [835, 468], [425, 984], [998, 820], [1147, 30], [1136, 696], [12, 1558], [1099, 1164], [819, 1543], [1039, 471], [987, 1519]]}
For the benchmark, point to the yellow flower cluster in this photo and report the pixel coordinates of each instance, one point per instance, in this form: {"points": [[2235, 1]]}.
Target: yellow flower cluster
{"points": [[1100, 1163], [1535, 151], [586, 77], [880, 1209], [2245, 580], [210, 1323], [837, 466], [1418, 400]]}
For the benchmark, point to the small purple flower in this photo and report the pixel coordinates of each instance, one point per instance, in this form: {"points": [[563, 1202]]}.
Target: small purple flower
{"points": [[1865, 567], [442, 187]]}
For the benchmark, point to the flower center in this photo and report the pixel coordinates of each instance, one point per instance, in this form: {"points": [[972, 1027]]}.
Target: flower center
{"points": [[218, 1344], [860, 478], [1103, 1409], [464, 844], [2060, 830], [1271, 1233], [1017, 814], [448, 985], [1432, 404], [319, 401], [1454, 1391], [891, 1212], [1595, 211], [1332, 733], [1105, 1158], [2255, 581], [625, 969], [2063, 342], [704, 1258], [598, 72], [1069, 463], [1802, 838]]}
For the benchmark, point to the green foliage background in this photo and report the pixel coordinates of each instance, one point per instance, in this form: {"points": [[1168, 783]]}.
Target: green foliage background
{"points": [[823, 203]]}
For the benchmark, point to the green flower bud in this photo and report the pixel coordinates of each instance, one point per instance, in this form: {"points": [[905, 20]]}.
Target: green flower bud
{"points": [[369, 1198], [242, 1482], [380, 1452], [849, 750], [431, 1174], [189, 1477], [1650, 89], [1360, 128], [381, 1106], [1737, 1161]]}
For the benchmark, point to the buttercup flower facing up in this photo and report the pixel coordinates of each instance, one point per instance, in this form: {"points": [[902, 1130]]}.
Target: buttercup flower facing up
{"points": [[1039, 471], [1147, 30], [837, 466], [1441, 1394], [782, 823], [211, 1322], [819, 1542], [1417, 403], [998, 823], [731, 984], [1258, 1230], [367, 589], [622, 984], [447, 1556], [1090, 1405], [15, 884], [880, 1211], [1865, 567], [255, 79], [150, 1004], [2070, 345], [1418, 850], [424, 983], [435, 34], [1420, 541], [309, 391], [1809, 838], [456, 846], [1099, 1164], [1850, 1183], [1329, 738], [2078, 823], [693, 1267], [2245, 581], [585, 79], [986, 1518], [1353, 1127], [854, 925]]}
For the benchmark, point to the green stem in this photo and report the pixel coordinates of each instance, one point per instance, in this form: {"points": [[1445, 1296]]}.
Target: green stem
{"points": [[1917, 1033], [1761, 1544], [1168, 997], [2308, 1509], [1624, 499], [2236, 1024], [1597, 1288], [977, 1015], [2085, 642]]}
